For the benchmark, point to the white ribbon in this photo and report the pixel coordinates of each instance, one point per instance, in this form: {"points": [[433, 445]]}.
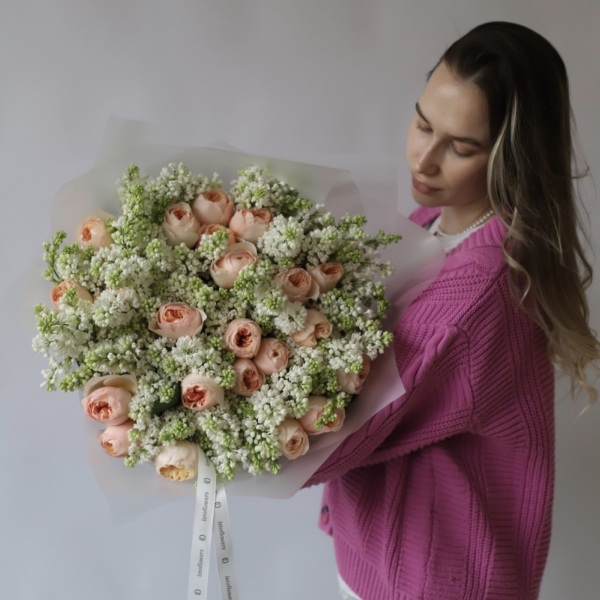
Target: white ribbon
{"points": [[211, 518], [224, 547]]}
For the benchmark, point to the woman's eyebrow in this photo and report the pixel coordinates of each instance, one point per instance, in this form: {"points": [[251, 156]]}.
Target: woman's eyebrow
{"points": [[457, 138], [420, 113]]}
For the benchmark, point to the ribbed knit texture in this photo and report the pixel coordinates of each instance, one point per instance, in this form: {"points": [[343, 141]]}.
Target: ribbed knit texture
{"points": [[447, 492]]}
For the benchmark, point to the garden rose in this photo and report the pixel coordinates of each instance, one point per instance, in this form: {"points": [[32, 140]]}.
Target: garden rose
{"points": [[213, 206], [250, 223], [327, 275], [93, 231], [225, 270], [126, 381], [199, 392], [178, 462], [248, 378], [293, 440], [59, 290], [298, 285], [180, 225], [315, 412], [243, 337], [106, 399], [272, 356], [214, 227], [177, 319], [353, 382], [114, 439], [315, 328]]}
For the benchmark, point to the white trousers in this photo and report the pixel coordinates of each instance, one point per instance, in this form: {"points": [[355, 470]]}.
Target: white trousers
{"points": [[345, 592]]}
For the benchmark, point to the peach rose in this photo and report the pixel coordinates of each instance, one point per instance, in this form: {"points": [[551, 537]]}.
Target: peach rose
{"points": [[315, 412], [213, 206], [298, 285], [180, 225], [199, 392], [316, 327], [250, 223], [353, 382], [293, 441], [126, 381], [248, 378], [243, 337], [178, 462], [272, 356], [59, 290], [106, 399], [327, 275], [213, 227], [93, 232], [114, 439], [177, 319], [224, 270]]}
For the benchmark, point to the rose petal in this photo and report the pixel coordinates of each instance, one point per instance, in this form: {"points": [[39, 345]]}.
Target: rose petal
{"points": [[293, 441], [178, 462], [199, 392], [243, 337]]}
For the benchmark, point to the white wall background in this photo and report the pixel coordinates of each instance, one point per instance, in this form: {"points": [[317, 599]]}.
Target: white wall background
{"points": [[331, 80]]}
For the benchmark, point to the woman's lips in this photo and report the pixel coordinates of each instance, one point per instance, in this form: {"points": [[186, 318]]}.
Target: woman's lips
{"points": [[423, 188]]}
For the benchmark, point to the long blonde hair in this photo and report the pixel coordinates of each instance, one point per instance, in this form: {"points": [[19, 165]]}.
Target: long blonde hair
{"points": [[531, 188]]}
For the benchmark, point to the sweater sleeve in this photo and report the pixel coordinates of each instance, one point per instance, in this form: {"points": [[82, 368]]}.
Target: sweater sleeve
{"points": [[433, 361], [436, 343]]}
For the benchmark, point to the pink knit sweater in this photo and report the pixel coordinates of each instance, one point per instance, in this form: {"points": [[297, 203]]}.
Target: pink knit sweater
{"points": [[447, 492]]}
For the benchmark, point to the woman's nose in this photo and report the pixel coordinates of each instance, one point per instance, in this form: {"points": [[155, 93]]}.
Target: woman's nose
{"points": [[428, 163]]}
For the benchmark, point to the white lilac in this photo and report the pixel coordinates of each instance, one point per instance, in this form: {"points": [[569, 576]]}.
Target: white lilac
{"points": [[282, 242]]}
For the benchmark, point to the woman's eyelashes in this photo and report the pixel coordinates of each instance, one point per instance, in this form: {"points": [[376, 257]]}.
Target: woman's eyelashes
{"points": [[460, 152], [424, 128]]}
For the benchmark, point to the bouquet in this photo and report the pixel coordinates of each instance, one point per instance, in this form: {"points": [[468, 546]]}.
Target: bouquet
{"points": [[242, 321]]}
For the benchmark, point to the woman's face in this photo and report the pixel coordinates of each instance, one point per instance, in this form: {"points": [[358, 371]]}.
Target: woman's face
{"points": [[449, 144]]}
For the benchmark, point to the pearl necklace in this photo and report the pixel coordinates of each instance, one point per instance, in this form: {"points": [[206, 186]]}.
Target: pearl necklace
{"points": [[471, 227]]}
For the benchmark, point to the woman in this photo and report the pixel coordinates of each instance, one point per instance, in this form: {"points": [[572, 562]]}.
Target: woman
{"points": [[447, 492]]}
